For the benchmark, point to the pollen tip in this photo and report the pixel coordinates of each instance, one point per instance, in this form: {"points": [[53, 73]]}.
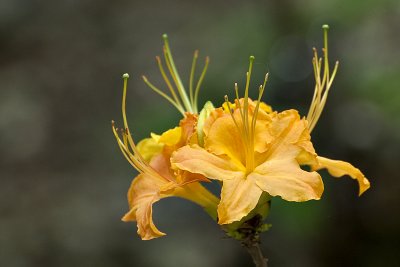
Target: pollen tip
{"points": [[112, 122], [325, 27], [196, 53], [125, 76], [144, 78]]}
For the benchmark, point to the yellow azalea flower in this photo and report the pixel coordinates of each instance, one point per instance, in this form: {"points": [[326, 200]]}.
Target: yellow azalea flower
{"points": [[253, 150], [156, 179]]}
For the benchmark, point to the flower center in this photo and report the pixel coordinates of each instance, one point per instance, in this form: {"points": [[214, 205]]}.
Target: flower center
{"points": [[246, 126]]}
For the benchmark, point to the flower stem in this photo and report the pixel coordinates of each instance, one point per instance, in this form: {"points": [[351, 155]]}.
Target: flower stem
{"points": [[253, 248]]}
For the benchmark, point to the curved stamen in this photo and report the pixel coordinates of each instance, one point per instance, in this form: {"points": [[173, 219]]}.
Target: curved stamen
{"points": [[183, 103], [323, 86]]}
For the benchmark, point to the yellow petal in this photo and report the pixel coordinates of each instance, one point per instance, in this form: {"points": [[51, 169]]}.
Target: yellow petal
{"points": [[149, 147], [197, 160], [239, 197], [265, 107], [339, 168], [282, 176], [171, 137]]}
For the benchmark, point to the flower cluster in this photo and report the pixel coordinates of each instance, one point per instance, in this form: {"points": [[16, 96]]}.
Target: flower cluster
{"points": [[255, 152]]}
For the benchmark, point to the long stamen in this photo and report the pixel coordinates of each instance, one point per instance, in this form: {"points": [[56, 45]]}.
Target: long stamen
{"points": [[181, 99], [196, 93], [125, 77], [231, 112], [247, 129], [260, 93], [167, 81], [321, 87], [134, 157], [161, 93], [174, 73], [195, 56], [246, 97]]}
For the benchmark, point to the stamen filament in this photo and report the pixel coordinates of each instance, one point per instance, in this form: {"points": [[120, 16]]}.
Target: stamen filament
{"points": [[195, 56], [196, 94], [167, 81], [161, 93], [247, 129], [186, 101], [134, 157], [321, 87], [174, 73], [231, 112], [260, 93]]}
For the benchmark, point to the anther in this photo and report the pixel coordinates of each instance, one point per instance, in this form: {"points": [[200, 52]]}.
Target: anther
{"points": [[125, 76]]}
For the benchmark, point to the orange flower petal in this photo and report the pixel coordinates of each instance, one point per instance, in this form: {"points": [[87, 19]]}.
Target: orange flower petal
{"points": [[197, 160], [282, 176], [339, 168], [239, 196], [142, 194]]}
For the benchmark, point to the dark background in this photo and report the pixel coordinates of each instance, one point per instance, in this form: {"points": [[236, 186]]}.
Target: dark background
{"points": [[63, 181]]}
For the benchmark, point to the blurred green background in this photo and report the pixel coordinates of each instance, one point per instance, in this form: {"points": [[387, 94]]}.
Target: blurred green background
{"points": [[63, 180]]}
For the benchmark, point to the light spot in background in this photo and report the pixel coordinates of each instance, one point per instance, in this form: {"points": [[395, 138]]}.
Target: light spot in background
{"points": [[358, 124], [290, 58]]}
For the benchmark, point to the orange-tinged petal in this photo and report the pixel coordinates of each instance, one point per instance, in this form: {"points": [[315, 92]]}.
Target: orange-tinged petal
{"points": [[197, 160], [188, 125], [282, 176], [142, 194], [339, 168], [239, 196], [146, 190]]}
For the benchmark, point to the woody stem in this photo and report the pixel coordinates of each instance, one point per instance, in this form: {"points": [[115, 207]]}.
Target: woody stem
{"points": [[252, 246]]}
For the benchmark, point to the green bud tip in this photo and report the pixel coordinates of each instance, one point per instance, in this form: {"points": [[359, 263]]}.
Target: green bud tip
{"points": [[325, 27], [125, 76], [252, 58], [165, 36]]}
